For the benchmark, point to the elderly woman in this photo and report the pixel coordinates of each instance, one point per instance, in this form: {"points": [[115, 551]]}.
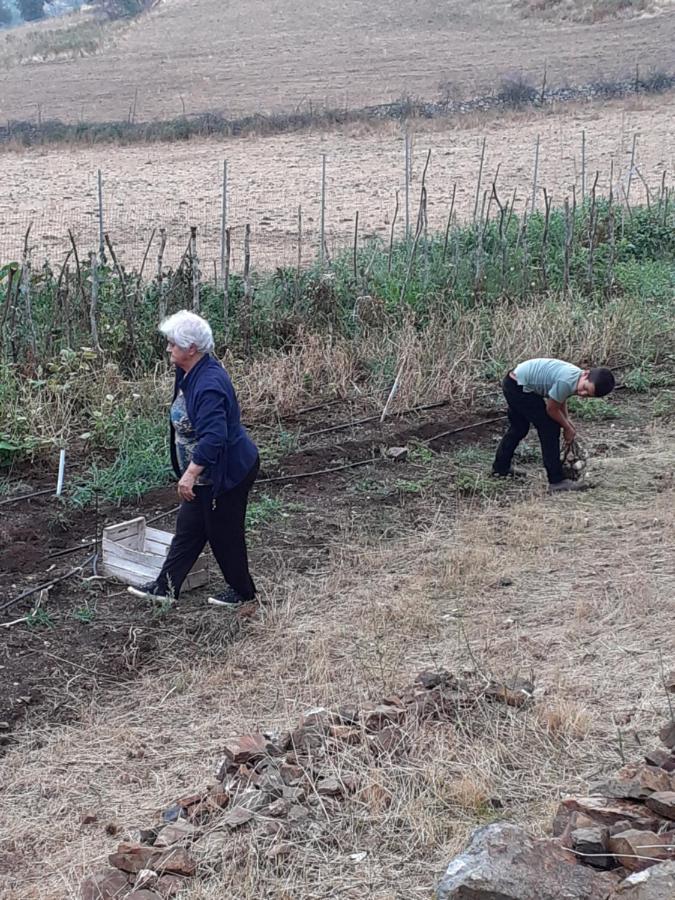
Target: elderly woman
{"points": [[215, 461]]}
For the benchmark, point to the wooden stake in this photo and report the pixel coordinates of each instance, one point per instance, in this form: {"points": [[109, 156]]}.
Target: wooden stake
{"points": [[161, 287], [196, 274], [480, 178], [93, 304], [391, 235]]}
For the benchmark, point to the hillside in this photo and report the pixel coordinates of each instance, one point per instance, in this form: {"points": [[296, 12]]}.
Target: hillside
{"points": [[258, 55]]}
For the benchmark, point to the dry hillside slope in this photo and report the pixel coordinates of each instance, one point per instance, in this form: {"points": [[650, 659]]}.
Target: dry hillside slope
{"points": [[254, 55]]}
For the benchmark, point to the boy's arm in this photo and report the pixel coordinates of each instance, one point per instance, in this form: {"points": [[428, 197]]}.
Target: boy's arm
{"points": [[558, 412]]}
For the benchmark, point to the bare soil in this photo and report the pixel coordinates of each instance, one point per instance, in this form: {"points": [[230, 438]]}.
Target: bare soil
{"points": [[367, 578], [93, 636], [176, 185]]}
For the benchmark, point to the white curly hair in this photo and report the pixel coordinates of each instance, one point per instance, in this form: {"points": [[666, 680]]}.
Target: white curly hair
{"points": [[185, 329]]}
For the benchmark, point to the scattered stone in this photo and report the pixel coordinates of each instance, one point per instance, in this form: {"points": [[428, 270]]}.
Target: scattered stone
{"points": [[218, 796], [143, 894], [398, 454], [307, 737], [667, 735], [297, 814], [107, 885], [329, 787], [279, 851], [190, 800], [429, 679], [662, 759], [319, 717], [656, 883], [291, 774], [294, 793], [592, 845], [346, 734], [636, 782], [88, 817], [348, 715], [180, 832], [148, 835], [503, 862], [146, 878], [237, 817], [389, 742], [173, 813], [176, 861], [249, 748], [383, 715], [169, 886], [638, 850], [515, 692], [279, 808], [132, 857], [663, 803], [669, 682], [602, 811]]}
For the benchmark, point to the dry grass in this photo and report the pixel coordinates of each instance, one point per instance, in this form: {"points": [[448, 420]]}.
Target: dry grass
{"points": [[587, 612]]}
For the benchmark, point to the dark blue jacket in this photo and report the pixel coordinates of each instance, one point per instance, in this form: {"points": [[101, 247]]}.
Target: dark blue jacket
{"points": [[223, 443]]}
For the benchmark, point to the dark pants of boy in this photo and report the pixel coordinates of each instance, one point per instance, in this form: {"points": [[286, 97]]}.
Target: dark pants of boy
{"points": [[224, 527], [525, 409]]}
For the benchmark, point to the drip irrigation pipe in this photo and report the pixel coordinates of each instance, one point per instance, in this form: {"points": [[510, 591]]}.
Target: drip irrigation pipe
{"points": [[27, 496], [46, 585]]}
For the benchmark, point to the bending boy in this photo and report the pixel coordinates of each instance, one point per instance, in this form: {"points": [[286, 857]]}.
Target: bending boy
{"points": [[536, 392]]}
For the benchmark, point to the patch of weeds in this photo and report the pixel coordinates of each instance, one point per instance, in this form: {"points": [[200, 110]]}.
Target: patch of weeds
{"points": [[476, 484], [411, 486], [642, 378], [39, 618], [473, 455], [663, 404], [592, 409], [277, 446], [84, 614], [420, 453], [141, 465], [369, 486], [5, 487], [516, 90], [261, 511]]}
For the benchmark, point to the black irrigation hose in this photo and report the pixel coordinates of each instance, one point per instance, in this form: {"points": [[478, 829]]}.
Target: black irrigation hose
{"points": [[47, 584], [28, 496]]}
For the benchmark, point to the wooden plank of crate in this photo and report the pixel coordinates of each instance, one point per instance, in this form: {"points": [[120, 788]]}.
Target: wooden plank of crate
{"points": [[156, 534], [130, 532], [116, 551], [129, 574]]}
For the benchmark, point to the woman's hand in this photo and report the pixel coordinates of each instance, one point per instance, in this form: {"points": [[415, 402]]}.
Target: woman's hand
{"points": [[185, 486]]}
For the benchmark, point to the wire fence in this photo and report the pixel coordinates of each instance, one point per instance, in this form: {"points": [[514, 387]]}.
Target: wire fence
{"points": [[290, 226]]}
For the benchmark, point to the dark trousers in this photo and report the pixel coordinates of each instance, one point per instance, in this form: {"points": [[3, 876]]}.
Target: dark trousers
{"points": [[223, 525], [525, 409]]}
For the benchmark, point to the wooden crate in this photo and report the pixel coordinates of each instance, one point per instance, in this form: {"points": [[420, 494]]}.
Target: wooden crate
{"points": [[135, 554]]}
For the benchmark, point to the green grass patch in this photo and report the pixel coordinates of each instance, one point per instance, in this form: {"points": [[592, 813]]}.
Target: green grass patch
{"points": [[262, 511], [142, 464], [591, 409]]}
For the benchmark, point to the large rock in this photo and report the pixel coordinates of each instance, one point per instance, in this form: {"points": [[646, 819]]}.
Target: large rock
{"points": [[110, 884], [657, 883], [503, 862], [584, 812], [636, 782], [638, 850], [663, 804]]}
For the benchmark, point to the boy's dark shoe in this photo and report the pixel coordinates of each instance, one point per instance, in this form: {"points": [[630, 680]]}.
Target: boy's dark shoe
{"points": [[560, 487], [150, 591], [228, 598]]}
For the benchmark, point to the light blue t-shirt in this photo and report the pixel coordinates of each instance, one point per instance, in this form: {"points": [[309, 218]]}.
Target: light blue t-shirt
{"points": [[549, 378]]}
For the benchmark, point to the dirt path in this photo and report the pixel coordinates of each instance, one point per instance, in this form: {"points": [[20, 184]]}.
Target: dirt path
{"points": [[577, 591], [176, 185]]}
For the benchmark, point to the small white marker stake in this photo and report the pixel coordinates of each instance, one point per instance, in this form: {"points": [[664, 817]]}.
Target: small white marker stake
{"points": [[62, 469]]}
